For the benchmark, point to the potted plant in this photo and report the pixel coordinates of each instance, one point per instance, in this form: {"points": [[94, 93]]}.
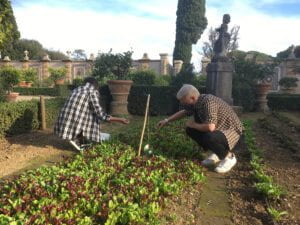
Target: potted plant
{"points": [[256, 75], [57, 75], [288, 84], [28, 77], [116, 67], [10, 76]]}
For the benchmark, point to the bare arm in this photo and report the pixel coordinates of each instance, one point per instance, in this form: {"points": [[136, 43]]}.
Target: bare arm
{"points": [[118, 119], [176, 116], [203, 127]]}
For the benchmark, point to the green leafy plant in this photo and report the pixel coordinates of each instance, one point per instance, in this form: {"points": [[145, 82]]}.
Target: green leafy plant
{"points": [[276, 214], [9, 76], [143, 77], [288, 82], [29, 75], [57, 73], [112, 65]]}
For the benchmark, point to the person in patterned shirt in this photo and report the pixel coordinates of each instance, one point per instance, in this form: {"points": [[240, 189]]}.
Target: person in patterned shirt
{"points": [[81, 114], [215, 126]]}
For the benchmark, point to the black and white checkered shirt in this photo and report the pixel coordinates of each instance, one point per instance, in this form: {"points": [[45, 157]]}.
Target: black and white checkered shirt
{"points": [[211, 109], [81, 113]]}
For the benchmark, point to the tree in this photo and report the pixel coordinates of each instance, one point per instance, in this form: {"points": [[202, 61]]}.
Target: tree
{"points": [[35, 49], [79, 54], [114, 66], [55, 55], [285, 53], [190, 24], [297, 51], [9, 33], [207, 49]]}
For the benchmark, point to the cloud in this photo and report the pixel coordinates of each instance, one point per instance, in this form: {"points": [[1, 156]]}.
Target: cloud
{"points": [[259, 31], [65, 29], [149, 25]]}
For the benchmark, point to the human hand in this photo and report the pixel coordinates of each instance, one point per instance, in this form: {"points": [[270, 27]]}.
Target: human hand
{"points": [[124, 121], [162, 123], [190, 123]]}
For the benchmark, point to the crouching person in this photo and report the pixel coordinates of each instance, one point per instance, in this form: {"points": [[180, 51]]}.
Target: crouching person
{"points": [[214, 126], [80, 117]]}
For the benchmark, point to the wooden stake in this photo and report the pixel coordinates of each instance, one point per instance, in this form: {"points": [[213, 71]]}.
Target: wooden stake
{"points": [[43, 113], [144, 126]]}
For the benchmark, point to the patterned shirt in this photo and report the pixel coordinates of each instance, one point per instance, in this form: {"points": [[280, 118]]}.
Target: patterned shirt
{"points": [[211, 109], [81, 113]]}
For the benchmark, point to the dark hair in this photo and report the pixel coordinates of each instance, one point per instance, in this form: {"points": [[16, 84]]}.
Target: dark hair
{"points": [[92, 81]]}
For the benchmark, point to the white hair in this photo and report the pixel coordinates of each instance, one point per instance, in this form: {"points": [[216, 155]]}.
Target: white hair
{"points": [[187, 90]]}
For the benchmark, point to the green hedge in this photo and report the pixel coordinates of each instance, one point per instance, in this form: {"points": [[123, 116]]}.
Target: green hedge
{"points": [[284, 101], [163, 99], [61, 90], [24, 116], [21, 117]]}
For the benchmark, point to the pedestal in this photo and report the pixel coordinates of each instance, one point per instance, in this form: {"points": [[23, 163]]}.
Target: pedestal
{"points": [[219, 80]]}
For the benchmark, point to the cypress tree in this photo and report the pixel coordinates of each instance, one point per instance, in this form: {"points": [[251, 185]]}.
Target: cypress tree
{"points": [[190, 24], [9, 33]]}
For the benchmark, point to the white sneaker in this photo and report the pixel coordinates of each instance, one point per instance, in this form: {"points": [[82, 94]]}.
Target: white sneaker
{"points": [[211, 160], [75, 145], [226, 164]]}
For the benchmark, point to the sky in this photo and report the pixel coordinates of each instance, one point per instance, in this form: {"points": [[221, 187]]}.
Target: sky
{"points": [[268, 26]]}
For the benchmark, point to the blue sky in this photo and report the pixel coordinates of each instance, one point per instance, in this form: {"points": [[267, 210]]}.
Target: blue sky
{"points": [[148, 26]]}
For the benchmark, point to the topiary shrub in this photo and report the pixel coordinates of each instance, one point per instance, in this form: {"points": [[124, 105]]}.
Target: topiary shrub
{"points": [[288, 82], [143, 77], [9, 76]]}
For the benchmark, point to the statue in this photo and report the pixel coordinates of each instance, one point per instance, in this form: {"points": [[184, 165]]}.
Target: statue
{"points": [[221, 44]]}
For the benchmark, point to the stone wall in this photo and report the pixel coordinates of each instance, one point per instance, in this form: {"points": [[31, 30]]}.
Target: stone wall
{"points": [[83, 68], [291, 68]]}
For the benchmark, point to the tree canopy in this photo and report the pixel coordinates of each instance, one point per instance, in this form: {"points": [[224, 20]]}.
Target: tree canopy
{"points": [[190, 24], [9, 33]]}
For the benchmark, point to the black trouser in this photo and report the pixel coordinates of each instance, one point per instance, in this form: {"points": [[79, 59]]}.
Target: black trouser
{"points": [[214, 141]]}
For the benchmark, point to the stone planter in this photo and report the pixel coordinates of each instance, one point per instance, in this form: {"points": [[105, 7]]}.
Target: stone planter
{"points": [[119, 90], [22, 84], [261, 91], [59, 82], [12, 96], [28, 84]]}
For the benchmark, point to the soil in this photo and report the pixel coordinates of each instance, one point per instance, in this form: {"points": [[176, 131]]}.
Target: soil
{"points": [[248, 207], [223, 199]]}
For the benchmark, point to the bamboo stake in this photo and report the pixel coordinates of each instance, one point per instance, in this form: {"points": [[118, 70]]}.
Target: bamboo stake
{"points": [[43, 112], [144, 126]]}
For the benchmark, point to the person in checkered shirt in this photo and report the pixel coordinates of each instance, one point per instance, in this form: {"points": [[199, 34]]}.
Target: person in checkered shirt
{"points": [[214, 126], [81, 116]]}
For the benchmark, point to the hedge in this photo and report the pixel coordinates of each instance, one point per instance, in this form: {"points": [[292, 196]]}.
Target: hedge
{"points": [[284, 101], [24, 116], [61, 90], [20, 117]]}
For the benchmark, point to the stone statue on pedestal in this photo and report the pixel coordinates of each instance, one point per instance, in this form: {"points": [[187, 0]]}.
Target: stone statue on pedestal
{"points": [[220, 70], [221, 44]]}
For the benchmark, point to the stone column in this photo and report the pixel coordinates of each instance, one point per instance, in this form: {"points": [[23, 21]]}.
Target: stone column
{"points": [[45, 67], [177, 64], [6, 61], [91, 62], [144, 62], [219, 80], [164, 63]]}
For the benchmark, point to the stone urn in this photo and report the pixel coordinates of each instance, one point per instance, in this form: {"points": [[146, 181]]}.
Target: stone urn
{"points": [[59, 81], [12, 96], [261, 91], [119, 90]]}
